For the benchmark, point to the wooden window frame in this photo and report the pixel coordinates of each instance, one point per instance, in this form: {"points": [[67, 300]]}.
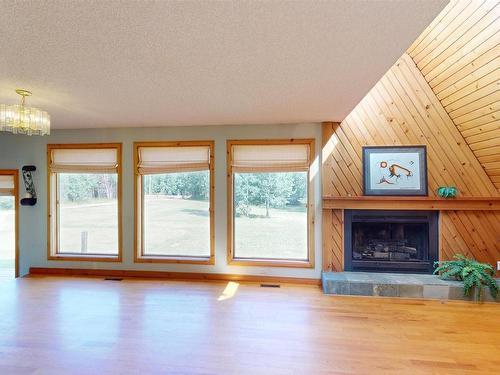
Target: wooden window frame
{"points": [[139, 256], [15, 193], [53, 219], [233, 261]]}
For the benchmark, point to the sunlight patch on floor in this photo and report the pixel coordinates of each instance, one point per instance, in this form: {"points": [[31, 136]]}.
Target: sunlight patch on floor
{"points": [[229, 291]]}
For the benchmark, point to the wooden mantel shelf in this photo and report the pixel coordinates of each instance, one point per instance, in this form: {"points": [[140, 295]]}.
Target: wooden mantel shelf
{"points": [[411, 203]]}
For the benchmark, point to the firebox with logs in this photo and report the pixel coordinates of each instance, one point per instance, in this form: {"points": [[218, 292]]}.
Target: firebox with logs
{"points": [[390, 241]]}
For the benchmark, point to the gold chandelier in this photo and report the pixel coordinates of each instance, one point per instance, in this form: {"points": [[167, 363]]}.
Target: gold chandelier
{"points": [[19, 119]]}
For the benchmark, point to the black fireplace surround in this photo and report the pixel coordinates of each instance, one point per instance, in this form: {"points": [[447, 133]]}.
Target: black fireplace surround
{"points": [[390, 241]]}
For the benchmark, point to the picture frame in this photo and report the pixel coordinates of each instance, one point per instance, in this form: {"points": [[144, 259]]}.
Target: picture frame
{"points": [[395, 171]]}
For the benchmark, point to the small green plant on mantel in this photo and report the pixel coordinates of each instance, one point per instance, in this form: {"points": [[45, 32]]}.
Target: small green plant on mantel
{"points": [[474, 275]]}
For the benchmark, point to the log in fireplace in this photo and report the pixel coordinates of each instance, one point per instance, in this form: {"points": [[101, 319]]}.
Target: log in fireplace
{"points": [[390, 241]]}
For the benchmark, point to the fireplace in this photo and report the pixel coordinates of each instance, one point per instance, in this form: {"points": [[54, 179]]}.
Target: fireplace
{"points": [[390, 241]]}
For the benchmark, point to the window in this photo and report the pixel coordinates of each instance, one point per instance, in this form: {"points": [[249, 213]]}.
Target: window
{"points": [[85, 202], [269, 200], [9, 223], [174, 202]]}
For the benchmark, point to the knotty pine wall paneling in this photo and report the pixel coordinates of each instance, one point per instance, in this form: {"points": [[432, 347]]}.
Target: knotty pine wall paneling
{"points": [[402, 109], [459, 57]]}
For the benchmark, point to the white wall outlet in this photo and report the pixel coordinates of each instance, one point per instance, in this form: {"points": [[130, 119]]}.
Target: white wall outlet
{"points": [[498, 265]]}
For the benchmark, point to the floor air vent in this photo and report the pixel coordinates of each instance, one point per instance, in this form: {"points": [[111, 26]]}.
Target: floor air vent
{"points": [[113, 279], [269, 285]]}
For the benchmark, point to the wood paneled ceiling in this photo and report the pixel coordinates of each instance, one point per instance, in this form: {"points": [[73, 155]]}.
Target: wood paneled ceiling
{"points": [[458, 55]]}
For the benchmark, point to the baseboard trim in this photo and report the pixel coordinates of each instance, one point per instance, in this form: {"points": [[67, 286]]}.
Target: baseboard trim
{"points": [[170, 275]]}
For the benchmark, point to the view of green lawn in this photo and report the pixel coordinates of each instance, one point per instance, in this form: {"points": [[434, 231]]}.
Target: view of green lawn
{"points": [[181, 226], [174, 226], [270, 214], [282, 235], [98, 219], [7, 242], [7, 234]]}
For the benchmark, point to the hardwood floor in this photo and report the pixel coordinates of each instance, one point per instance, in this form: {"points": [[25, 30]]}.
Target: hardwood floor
{"points": [[62, 325]]}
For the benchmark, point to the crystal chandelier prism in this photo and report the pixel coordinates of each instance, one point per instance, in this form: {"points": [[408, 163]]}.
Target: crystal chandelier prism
{"points": [[19, 119]]}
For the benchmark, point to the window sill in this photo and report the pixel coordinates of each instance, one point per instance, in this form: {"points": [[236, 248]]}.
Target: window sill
{"points": [[271, 263], [86, 258], [174, 259]]}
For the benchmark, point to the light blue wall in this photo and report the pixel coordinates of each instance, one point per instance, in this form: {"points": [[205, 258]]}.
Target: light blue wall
{"points": [[18, 150]]}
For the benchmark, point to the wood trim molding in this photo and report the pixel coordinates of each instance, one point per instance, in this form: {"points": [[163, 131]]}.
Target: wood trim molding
{"points": [[271, 263], [170, 275], [411, 203], [139, 257], [231, 260], [15, 174], [52, 254], [174, 259], [327, 129]]}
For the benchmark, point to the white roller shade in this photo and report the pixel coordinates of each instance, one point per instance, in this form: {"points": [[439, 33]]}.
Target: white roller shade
{"points": [[82, 160], [173, 159], [254, 158], [6, 185]]}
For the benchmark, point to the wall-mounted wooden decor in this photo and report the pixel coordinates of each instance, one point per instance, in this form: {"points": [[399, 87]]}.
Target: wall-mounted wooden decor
{"points": [[395, 170]]}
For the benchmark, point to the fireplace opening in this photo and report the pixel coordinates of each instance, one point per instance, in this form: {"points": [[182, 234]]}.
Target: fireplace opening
{"points": [[391, 241]]}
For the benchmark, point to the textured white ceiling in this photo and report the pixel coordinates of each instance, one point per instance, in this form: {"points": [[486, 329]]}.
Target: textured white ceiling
{"points": [[142, 63]]}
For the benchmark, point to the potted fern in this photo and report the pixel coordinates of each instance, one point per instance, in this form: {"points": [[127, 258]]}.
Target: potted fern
{"points": [[473, 274]]}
